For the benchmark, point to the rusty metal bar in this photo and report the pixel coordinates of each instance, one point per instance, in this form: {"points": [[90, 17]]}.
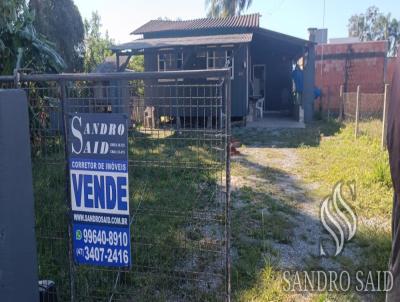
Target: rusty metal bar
{"points": [[125, 75], [67, 188], [228, 184]]}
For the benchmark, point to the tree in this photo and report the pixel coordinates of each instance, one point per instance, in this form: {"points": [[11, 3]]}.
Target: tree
{"points": [[97, 47], [20, 45], [374, 26], [61, 23], [226, 8], [136, 63]]}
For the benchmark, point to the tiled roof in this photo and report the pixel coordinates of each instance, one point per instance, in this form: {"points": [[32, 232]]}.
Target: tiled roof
{"points": [[244, 21], [182, 41]]}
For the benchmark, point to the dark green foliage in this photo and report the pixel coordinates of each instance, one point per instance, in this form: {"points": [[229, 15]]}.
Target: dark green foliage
{"points": [[20, 44], [61, 23]]}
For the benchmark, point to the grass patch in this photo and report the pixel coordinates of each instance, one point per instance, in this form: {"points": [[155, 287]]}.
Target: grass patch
{"points": [[341, 157], [267, 286]]}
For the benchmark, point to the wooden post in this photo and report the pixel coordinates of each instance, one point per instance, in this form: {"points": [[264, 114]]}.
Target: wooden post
{"points": [[341, 104], [357, 111], [384, 116]]}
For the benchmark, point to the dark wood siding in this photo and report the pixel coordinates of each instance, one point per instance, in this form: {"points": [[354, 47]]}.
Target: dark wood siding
{"points": [[194, 58]]}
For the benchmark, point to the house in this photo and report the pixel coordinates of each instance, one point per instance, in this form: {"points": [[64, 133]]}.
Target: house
{"points": [[261, 60]]}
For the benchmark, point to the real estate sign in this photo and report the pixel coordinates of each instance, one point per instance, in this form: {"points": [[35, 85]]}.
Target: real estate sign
{"points": [[98, 171]]}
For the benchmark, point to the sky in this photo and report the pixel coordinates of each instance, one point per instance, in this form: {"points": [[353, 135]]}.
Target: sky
{"points": [[293, 17]]}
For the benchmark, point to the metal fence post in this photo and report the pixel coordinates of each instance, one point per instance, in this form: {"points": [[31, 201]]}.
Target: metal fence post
{"points": [[341, 105], [384, 116], [67, 192], [17, 78], [228, 185], [357, 111]]}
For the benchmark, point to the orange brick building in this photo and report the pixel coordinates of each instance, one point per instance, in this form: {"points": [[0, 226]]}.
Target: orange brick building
{"points": [[351, 64]]}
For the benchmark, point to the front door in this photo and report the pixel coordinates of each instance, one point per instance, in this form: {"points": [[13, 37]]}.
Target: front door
{"points": [[259, 81]]}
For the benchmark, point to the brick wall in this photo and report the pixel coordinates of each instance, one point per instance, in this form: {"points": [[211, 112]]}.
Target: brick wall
{"points": [[390, 69], [365, 63]]}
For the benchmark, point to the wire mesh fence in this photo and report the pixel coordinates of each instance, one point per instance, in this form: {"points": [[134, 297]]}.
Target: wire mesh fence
{"points": [[178, 182], [367, 111]]}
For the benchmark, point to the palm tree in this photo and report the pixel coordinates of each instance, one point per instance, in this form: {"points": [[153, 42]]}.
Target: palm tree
{"points": [[226, 8]]}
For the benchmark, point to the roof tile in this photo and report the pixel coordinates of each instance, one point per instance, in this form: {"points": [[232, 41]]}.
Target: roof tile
{"points": [[244, 21]]}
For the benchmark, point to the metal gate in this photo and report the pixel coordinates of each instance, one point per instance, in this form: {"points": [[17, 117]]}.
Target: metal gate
{"points": [[179, 125]]}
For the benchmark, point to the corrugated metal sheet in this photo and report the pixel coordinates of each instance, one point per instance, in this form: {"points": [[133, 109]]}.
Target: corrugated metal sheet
{"points": [[110, 64], [244, 21], [183, 41]]}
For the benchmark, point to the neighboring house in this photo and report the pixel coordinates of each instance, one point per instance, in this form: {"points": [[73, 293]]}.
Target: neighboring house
{"points": [[261, 60]]}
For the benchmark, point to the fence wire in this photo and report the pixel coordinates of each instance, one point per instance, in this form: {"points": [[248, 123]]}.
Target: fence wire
{"points": [[178, 184], [368, 115]]}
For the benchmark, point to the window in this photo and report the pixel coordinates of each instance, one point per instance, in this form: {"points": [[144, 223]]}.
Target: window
{"points": [[201, 60], [229, 62], [179, 60], [161, 62], [211, 59], [164, 61]]}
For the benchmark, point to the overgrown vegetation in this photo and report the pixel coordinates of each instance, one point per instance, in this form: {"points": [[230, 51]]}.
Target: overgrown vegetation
{"points": [[60, 22], [342, 157], [49, 36], [21, 46], [97, 46]]}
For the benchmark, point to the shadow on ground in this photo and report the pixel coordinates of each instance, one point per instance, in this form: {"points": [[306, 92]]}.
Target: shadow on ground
{"points": [[287, 138]]}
